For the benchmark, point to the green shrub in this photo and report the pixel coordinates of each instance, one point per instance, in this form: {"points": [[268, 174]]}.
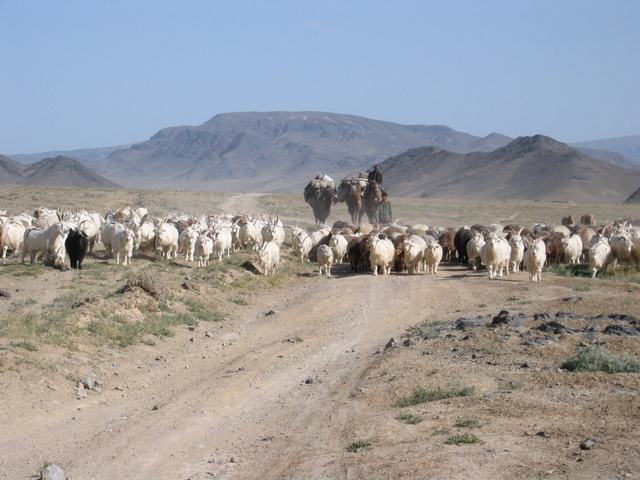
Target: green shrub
{"points": [[422, 395], [462, 438], [409, 418], [600, 359]]}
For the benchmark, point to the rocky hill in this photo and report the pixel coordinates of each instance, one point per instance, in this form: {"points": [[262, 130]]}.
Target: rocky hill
{"points": [[273, 152], [529, 168], [52, 172]]}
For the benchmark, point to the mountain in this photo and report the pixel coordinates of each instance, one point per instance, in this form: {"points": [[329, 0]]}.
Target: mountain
{"points": [[10, 170], [52, 172], [634, 197], [83, 155], [628, 146], [609, 156], [528, 168], [273, 151]]}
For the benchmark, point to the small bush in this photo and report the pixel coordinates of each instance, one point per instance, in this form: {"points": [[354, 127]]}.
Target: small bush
{"points": [[26, 345], [467, 422], [600, 359], [463, 438], [409, 418], [422, 395], [354, 447]]}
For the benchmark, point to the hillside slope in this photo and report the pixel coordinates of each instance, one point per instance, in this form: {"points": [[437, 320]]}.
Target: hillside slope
{"points": [[529, 168]]}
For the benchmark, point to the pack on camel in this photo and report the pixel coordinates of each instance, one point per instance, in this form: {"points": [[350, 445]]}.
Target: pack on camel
{"points": [[319, 194], [351, 191]]}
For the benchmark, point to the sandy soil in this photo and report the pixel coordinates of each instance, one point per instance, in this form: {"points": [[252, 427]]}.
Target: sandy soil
{"points": [[285, 385]]}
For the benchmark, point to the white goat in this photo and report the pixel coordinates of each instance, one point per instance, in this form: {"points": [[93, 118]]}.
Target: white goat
{"points": [[122, 244], [269, 257], [599, 256], [325, 259], [204, 249], [46, 241], [11, 238], [534, 258], [572, 248]]}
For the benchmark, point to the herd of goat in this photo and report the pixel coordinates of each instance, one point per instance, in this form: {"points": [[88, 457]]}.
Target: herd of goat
{"points": [[50, 235]]}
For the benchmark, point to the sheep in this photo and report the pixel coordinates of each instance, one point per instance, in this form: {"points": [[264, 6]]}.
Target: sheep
{"points": [[599, 256], [447, 243], [621, 247], [432, 256], [48, 241], [572, 249], [495, 255], [338, 244], [381, 255], [534, 259], [203, 249], [413, 248], [568, 221], [11, 238], [122, 244], [588, 220], [517, 251], [555, 247], [269, 256], [473, 250], [325, 259]]}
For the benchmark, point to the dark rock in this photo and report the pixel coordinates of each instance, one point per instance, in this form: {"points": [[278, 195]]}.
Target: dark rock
{"points": [[464, 323], [408, 343], [622, 330], [430, 335], [526, 365], [588, 444], [536, 341], [590, 335], [4, 293], [543, 316], [309, 381], [555, 327], [551, 338], [570, 315], [507, 318], [270, 312], [390, 344], [543, 434], [572, 299]]}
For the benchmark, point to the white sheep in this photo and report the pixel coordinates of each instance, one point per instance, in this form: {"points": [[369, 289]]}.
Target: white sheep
{"points": [[325, 259], [381, 255], [534, 258]]}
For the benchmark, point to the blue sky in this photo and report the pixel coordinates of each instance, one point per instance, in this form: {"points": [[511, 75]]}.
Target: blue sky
{"points": [[84, 74]]}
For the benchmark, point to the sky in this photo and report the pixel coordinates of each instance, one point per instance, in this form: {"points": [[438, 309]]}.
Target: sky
{"points": [[89, 74]]}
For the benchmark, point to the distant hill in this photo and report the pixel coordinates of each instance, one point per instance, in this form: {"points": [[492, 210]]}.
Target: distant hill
{"points": [[83, 155], [274, 151], [529, 168], [628, 146], [53, 172], [634, 197]]}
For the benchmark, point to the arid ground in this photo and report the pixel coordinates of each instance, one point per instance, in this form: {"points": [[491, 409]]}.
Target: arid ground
{"points": [[295, 376]]}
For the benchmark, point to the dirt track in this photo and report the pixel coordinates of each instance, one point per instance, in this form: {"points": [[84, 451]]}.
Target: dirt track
{"points": [[283, 395]]}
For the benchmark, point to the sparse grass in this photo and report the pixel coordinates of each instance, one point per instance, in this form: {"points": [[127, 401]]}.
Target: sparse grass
{"points": [[26, 345], [422, 395], [409, 418], [509, 385], [462, 439], [356, 446], [240, 301], [582, 288], [600, 359], [440, 432], [467, 422], [576, 270]]}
